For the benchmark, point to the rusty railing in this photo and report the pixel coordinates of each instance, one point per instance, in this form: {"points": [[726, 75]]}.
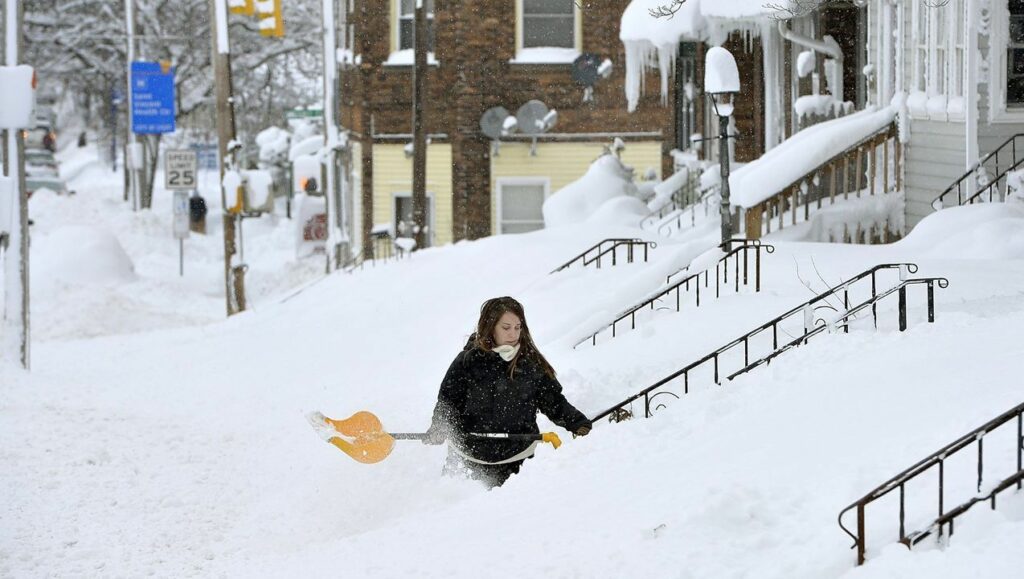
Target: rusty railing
{"points": [[586, 258], [839, 176], [945, 519]]}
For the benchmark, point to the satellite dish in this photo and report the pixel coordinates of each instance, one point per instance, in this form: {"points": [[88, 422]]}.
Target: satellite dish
{"points": [[584, 69], [530, 117], [493, 121]]}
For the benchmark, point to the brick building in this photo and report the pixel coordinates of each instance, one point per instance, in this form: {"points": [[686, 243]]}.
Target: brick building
{"points": [[487, 53]]}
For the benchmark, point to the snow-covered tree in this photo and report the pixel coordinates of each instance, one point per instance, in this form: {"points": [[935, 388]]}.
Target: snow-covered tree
{"points": [[78, 47]]}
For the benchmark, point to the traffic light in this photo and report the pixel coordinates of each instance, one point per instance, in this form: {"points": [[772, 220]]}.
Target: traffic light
{"points": [[270, 17], [243, 7]]}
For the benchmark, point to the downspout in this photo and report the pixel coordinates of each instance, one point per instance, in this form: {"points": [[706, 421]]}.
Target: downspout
{"points": [[827, 46]]}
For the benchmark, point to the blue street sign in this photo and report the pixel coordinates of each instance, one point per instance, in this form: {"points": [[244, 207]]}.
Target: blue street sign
{"points": [[152, 98]]}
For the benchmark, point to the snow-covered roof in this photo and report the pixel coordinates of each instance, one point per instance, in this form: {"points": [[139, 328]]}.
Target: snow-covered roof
{"points": [[638, 24], [649, 40], [738, 9], [801, 153]]}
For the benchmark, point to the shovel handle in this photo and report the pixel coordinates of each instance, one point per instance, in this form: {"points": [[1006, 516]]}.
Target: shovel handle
{"points": [[500, 435]]}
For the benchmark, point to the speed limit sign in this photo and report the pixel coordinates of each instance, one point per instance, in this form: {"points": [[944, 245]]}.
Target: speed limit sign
{"points": [[180, 168]]}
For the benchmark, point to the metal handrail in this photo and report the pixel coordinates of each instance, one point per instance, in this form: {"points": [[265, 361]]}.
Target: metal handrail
{"points": [[820, 325], [380, 243], [806, 309], [721, 277], [655, 216], [702, 199], [630, 243], [958, 184], [991, 185], [937, 459], [680, 199]]}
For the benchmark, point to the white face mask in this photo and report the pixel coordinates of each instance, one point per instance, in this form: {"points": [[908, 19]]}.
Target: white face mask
{"points": [[507, 352]]}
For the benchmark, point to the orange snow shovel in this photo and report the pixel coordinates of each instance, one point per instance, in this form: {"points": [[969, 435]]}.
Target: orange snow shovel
{"points": [[362, 436]]}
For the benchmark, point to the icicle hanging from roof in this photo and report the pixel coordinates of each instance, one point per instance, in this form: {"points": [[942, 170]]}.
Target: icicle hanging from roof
{"points": [[652, 42]]}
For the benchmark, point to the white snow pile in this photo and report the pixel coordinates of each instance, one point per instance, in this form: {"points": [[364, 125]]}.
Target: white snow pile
{"points": [[822, 105], [741, 9], [259, 189], [978, 231], [274, 144], [80, 254], [858, 215], [801, 153], [605, 193], [664, 191]]}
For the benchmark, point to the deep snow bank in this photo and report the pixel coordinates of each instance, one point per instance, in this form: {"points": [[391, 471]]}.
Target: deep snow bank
{"points": [[607, 182]]}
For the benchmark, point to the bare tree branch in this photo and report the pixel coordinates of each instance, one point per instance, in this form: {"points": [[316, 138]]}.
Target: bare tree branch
{"points": [[667, 10]]}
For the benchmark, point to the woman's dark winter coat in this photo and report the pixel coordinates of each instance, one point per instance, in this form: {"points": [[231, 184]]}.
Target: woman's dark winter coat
{"points": [[478, 396]]}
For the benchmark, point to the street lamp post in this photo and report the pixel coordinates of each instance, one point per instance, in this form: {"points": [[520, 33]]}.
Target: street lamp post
{"points": [[721, 82]]}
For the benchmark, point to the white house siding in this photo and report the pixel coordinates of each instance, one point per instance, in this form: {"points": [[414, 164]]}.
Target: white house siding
{"points": [[934, 159], [991, 135]]}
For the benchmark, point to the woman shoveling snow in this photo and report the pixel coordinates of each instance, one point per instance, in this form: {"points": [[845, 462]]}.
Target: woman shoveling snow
{"points": [[487, 405]]}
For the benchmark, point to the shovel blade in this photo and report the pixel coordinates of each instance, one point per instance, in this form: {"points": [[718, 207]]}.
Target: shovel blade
{"points": [[362, 437], [367, 450]]}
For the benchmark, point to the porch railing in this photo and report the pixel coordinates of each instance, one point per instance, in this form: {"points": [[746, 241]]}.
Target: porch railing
{"points": [[937, 461], [850, 172], [973, 185]]}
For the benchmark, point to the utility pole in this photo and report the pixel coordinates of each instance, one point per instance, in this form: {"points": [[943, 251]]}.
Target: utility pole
{"points": [[133, 156], [419, 135], [234, 270], [336, 235], [16, 290]]}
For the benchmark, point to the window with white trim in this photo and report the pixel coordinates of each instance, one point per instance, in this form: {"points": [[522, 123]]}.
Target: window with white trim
{"points": [[521, 204], [1015, 56], [939, 43], [404, 224], [407, 24], [548, 23], [959, 36], [921, 30], [939, 51]]}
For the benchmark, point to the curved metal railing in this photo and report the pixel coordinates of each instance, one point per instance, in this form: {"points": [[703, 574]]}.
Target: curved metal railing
{"points": [[937, 460], [811, 327], [704, 200], [630, 243], [843, 321], [1007, 148], [721, 279]]}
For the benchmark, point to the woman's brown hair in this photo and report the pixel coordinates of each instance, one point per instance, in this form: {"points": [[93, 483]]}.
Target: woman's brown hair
{"points": [[490, 312]]}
